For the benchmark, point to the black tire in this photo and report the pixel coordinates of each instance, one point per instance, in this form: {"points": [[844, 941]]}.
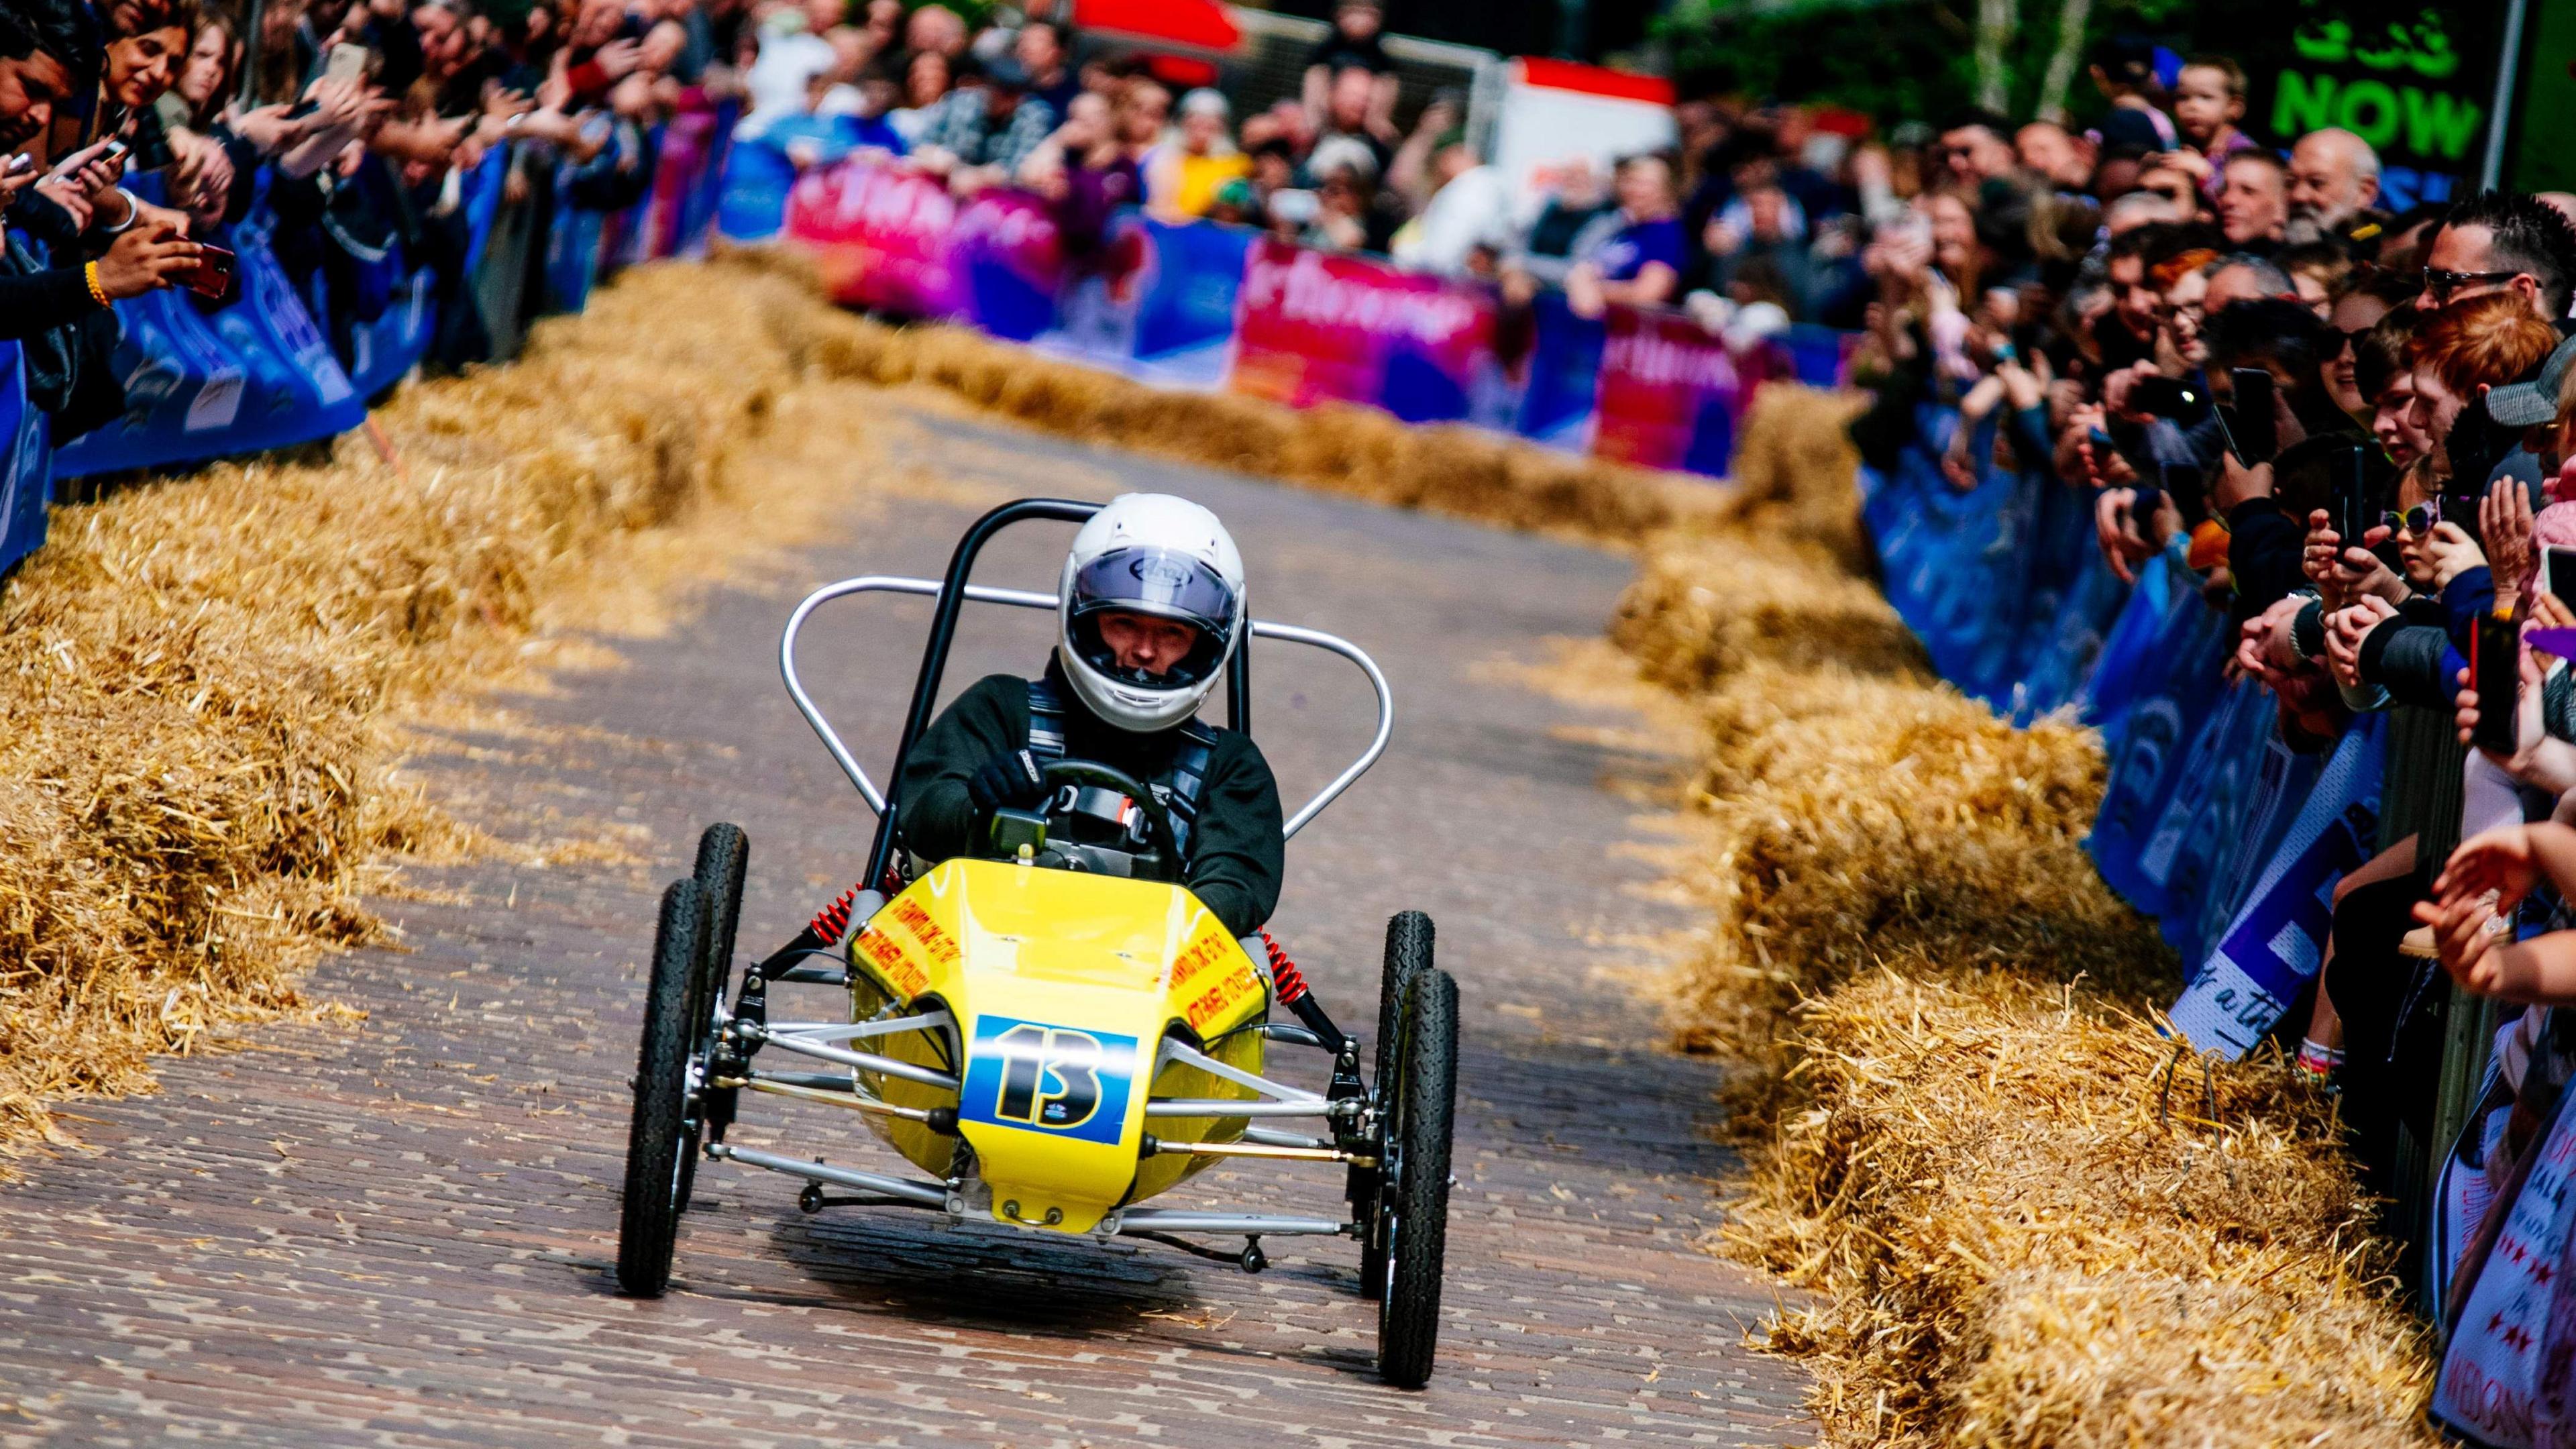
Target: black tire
{"points": [[1409, 940], [657, 1139], [724, 854], [1415, 1210]]}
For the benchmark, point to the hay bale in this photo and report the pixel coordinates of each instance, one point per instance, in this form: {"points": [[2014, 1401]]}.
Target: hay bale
{"points": [[1336, 447], [1962, 1125], [2036, 1231], [1707, 605], [197, 675]]}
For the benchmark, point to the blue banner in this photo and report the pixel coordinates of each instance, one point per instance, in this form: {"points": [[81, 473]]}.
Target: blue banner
{"points": [[2277, 941], [26, 485], [205, 381]]}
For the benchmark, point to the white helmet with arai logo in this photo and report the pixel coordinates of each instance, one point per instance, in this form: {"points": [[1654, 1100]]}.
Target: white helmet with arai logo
{"points": [[1153, 554]]}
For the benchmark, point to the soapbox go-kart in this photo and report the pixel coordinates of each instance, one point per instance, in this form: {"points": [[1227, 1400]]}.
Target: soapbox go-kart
{"points": [[1054, 1032]]}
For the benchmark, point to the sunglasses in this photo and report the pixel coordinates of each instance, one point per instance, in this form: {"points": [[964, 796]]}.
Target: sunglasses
{"points": [[2443, 283], [2418, 520]]}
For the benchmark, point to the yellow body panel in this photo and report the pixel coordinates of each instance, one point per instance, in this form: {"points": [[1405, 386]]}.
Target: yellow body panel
{"points": [[1062, 985]]}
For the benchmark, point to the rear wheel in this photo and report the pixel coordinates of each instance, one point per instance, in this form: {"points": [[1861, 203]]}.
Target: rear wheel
{"points": [[1408, 954], [1413, 1211], [724, 853], [660, 1137]]}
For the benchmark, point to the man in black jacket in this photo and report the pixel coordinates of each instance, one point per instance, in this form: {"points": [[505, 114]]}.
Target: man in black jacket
{"points": [[1151, 609]]}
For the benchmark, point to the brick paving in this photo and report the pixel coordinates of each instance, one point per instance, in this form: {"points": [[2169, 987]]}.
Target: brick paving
{"points": [[399, 1233]]}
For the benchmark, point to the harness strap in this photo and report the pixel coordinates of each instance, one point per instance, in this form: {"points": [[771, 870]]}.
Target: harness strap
{"points": [[1177, 787]]}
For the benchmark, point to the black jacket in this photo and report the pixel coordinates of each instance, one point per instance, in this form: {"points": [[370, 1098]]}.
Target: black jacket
{"points": [[1237, 854]]}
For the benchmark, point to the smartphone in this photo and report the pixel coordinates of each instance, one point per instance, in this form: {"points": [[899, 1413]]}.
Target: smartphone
{"points": [[2250, 423], [212, 276], [19, 165], [2188, 487], [2167, 397], [348, 62], [114, 151], [2350, 500], [2558, 569], [2495, 667]]}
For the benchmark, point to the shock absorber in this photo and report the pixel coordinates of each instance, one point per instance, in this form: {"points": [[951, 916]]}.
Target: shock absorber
{"points": [[1294, 994]]}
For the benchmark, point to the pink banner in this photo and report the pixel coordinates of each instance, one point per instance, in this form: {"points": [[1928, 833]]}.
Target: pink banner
{"points": [[880, 236], [1315, 326], [1671, 393]]}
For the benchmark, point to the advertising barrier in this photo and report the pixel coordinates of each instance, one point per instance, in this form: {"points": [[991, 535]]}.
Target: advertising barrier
{"points": [[258, 369], [1209, 306]]}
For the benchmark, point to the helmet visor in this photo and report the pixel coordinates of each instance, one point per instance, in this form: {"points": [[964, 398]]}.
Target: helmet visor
{"points": [[1161, 584]]}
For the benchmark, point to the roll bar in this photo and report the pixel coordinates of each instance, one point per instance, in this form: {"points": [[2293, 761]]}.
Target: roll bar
{"points": [[953, 592]]}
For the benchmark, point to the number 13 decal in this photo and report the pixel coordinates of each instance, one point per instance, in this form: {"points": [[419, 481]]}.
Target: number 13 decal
{"points": [[1054, 1079], [1050, 1076]]}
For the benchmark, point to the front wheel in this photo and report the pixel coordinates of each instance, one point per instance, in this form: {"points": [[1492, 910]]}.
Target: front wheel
{"points": [[660, 1135], [724, 854], [1409, 940], [1413, 1207]]}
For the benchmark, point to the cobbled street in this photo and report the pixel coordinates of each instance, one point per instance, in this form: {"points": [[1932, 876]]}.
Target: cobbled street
{"points": [[398, 1232]]}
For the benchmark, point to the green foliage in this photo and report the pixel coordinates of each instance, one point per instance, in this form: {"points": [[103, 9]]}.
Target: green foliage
{"points": [[1896, 60]]}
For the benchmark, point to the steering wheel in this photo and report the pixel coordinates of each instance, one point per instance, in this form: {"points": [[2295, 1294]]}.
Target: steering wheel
{"points": [[1159, 832]]}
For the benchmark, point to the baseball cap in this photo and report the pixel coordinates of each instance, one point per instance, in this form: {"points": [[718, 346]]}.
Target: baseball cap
{"points": [[2529, 404]]}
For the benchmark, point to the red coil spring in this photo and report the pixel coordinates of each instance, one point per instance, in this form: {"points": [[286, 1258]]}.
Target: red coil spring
{"points": [[832, 920], [1291, 981]]}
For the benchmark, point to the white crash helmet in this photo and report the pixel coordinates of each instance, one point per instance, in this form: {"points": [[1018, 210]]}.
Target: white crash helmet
{"points": [[1149, 553]]}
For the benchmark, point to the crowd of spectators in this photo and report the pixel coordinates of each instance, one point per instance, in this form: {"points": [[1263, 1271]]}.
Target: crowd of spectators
{"points": [[135, 135], [2353, 430]]}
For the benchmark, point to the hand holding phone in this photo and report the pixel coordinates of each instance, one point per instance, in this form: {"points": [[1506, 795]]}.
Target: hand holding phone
{"points": [[348, 62], [2252, 429], [2495, 667], [212, 275], [2558, 572]]}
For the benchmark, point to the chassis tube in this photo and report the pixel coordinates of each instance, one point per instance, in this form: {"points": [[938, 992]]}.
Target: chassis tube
{"points": [[864, 1061], [1158, 1220], [912, 1192], [1234, 1107]]}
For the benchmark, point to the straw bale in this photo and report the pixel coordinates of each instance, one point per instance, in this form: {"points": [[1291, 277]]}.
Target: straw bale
{"points": [[1796, 471], [2039, 1228], [1335, 447], [199, 675], [2029, 1221], [1704, 606]]}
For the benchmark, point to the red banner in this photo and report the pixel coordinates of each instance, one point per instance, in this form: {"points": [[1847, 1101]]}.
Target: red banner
{"points": [[1671, 393], [1316, 326], [880, 237]]}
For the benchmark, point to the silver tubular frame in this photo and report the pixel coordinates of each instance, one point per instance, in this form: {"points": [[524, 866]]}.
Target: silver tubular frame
{"points": [[864, 1061], [1181, 1220], [924, 1194], [1022, 598]]}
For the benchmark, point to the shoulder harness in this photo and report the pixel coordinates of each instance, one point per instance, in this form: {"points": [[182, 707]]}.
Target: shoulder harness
{"points": [[1177, 787]]}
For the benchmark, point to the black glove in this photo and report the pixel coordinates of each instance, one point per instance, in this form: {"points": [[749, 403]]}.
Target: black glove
{"points": [[1013, 780]]}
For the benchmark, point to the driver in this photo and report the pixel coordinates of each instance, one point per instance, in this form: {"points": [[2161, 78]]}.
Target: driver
{"points": [[1149, 611]]}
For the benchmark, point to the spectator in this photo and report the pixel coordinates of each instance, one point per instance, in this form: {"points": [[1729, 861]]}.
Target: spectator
{"points": [[936, 30], [1351, 111], [983, 130], [2333, 182], [1974, 149], [2501, 242], [1636, 258], [1039, 47], [1183, 177], [2054, 154], [1466, 227], [1764, 240], [1353, 45], [2208, 102], [2253, 203]]}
